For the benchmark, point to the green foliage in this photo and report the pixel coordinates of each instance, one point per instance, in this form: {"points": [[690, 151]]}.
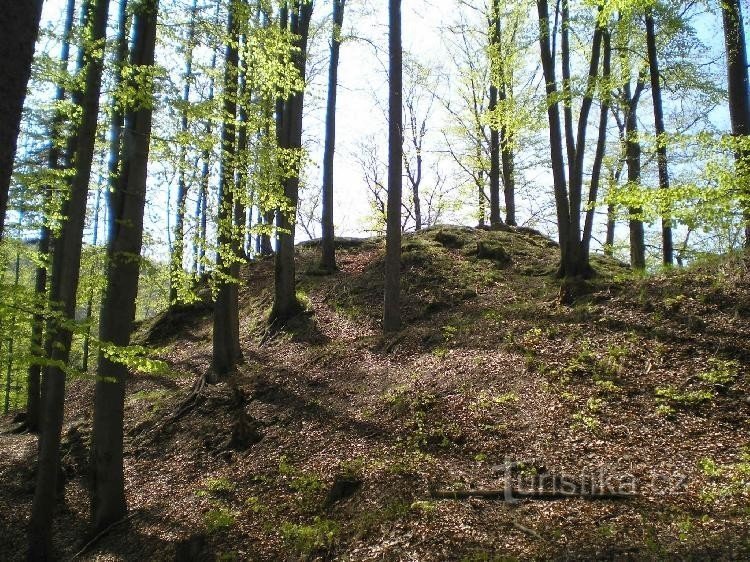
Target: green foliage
{"points": [[216, 487], [219, 520], [319, 535], [671, 397]]}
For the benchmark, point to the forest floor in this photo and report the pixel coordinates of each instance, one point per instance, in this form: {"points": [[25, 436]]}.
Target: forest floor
{"points": [[329, 441]]}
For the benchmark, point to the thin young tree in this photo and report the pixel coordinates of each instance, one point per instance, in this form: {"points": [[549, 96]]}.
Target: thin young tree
{"points": [[392, 290], [661, 140], [19, 24], [226, 345], [64, 280], [328, 250], [495, 170], [127, 204], [178, 248]]}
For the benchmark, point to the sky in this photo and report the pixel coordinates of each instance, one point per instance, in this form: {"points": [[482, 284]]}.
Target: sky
{"points": [[360, 111]]}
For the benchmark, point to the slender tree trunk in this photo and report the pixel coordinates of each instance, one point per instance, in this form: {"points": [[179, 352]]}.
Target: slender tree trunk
{"points": [[567, 97], [127, 204], [661, 146], [11, 339], [328, 251], [568, 262], [739, 88], [579, 245], [601, 147], [610, 239], [226, 345], [392, 294], [286, 305], [34, 386], [178, 248], [64, 284], [507, 158], [19, 24], [90, 301]]}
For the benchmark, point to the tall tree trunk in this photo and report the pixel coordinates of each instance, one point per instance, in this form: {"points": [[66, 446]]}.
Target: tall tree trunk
{"points": [[127, 204], [661, 140], [601, 146], [286, 305], [33, 384], [201, 210], [19, 24], [579, 245], [633, 161], [568, 262], [328, 251], [739, 88], [494, 35], [392, 293], [226, 345], [507, 158], [64, 284], [177, 265]]}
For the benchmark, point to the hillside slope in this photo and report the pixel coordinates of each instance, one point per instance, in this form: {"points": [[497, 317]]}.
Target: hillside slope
{"points": [[328, 442]]}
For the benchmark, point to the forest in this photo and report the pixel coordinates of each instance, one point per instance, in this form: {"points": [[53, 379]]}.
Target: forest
{"points": [[351, 280]]}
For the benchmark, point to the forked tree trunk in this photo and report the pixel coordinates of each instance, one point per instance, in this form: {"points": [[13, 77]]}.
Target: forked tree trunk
{"points": [[661, 146], [19, 24], [328, 251], [601, 146], [63, 287], [392, 292], [127, 204], [226, 345]]}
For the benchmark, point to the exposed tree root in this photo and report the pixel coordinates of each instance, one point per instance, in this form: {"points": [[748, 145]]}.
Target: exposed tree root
{"points": [[103, 532]]}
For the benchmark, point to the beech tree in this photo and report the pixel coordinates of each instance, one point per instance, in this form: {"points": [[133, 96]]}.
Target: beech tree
{"points": [[661, 146], [226, 339], [568, 192], [64, 279], [328, 251], [289, 131], [19, 24], [739, 92], [127, 202], [55, 157], [392, 291]]}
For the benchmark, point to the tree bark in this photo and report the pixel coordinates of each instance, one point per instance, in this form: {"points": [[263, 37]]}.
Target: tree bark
{"points": [[286, 305], [177, 265], [19, 24], [392, 292], [661, 146], [739, 102], [494, 35], [127, 204], [633, 162], [64, 284], [226, 345], [328, 251], [568, 265], [34, 385], [601, 145]]}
